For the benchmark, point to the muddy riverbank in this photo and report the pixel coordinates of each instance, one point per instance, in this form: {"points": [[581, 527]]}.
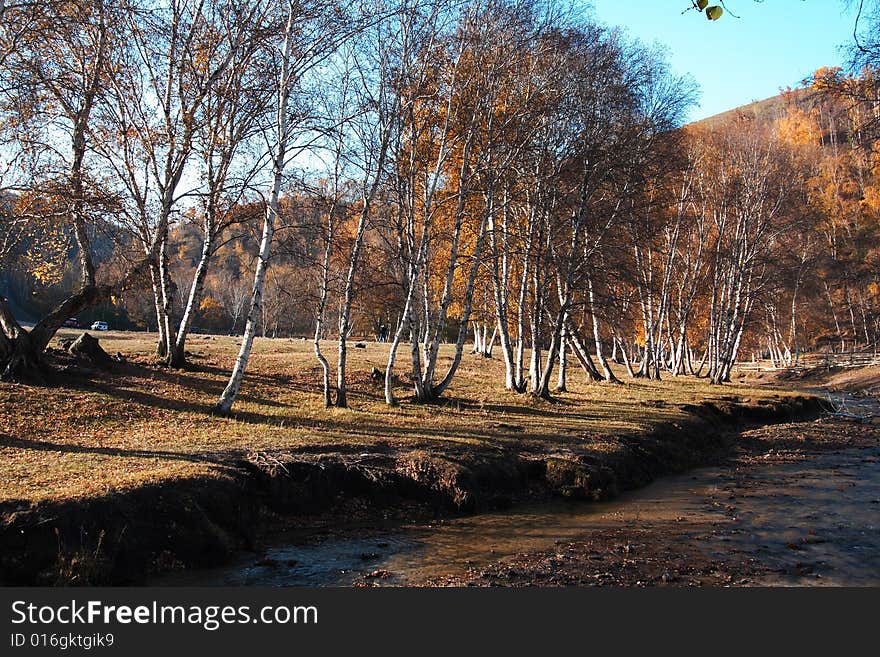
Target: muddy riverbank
{"points": [[201, 522], [791, 504], [795, 505]]}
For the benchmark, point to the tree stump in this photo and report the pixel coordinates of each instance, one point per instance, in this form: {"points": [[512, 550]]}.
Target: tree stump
{"points": [[88, 348]]}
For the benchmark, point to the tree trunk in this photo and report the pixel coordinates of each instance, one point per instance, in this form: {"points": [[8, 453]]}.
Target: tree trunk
{"points": [[440, 388], [625, 357], [229, 394], [196, 290], [600, 356], [581, 353], [319, 314], [563, 361]]}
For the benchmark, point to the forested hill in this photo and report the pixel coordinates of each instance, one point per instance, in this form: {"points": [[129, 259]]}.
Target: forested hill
{"points": [[767, 110], [826, 293]]}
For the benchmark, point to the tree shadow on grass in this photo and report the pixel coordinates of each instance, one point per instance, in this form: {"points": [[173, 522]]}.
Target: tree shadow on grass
{"points": [[124, 382], [220, 457], [207, 386], [113, 385], [544, 409]]}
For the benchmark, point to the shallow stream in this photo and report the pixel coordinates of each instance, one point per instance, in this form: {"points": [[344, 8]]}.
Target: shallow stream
{"points": [[812, 522]]}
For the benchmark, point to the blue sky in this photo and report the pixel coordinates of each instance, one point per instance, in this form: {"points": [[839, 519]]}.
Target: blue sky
{"points": [[772, 45]]}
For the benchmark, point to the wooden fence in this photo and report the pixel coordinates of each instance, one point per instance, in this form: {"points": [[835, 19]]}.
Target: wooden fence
{"points": [[814, 360]]}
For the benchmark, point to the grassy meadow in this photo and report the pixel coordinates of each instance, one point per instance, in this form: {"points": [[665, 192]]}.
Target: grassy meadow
{"points": [[138, 423]]}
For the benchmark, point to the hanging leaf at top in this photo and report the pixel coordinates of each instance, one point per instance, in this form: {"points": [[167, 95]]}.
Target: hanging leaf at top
{"points": [[702, 4]]}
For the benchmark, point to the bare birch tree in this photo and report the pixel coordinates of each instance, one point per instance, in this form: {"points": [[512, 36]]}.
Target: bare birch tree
{"points": [[233, 109], [312, 32]]}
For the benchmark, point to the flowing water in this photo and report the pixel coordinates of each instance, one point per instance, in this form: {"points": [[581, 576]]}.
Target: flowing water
{"points": [[812, 522]]}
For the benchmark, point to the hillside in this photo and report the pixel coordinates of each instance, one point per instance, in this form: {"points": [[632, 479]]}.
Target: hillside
{"points": [[768, 109]]}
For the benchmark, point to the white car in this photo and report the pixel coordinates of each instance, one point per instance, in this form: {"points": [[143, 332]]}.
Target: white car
{"points": [[100, 326]]}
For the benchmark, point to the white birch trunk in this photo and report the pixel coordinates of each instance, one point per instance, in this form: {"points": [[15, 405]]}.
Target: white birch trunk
{"points": [[229, 394]]}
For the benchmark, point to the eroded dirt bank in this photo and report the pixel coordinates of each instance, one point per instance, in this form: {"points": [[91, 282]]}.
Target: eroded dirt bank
{"points": [[197, 522]]}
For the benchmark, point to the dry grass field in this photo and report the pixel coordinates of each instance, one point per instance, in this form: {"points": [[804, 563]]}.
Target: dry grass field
{"points": [[89, 435]]}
